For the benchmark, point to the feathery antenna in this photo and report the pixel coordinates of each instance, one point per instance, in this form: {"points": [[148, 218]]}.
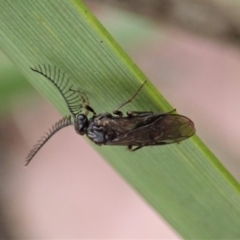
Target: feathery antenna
{"points": [[64, 122], [72, 98]]}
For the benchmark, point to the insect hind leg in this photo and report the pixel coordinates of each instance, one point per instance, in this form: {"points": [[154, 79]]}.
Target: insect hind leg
{"points": [[135, 149], [142, 114], [85, 102], [119, 113]]}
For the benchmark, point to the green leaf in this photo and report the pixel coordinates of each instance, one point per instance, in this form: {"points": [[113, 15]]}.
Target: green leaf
{"points": [[12, 85], [184, 183]]}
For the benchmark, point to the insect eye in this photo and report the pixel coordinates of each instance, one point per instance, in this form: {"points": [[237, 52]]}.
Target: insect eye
{"points": [[81, 123], [81, 117]]}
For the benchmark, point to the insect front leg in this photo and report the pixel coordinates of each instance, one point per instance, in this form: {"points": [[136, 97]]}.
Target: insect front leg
{"points": [[119, 113]]}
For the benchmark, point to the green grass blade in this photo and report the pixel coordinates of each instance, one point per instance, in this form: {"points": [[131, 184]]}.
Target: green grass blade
{"points": [[184, 183]]}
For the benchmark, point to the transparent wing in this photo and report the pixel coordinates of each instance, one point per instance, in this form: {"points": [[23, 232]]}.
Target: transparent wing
{"points": [[164, 129], [172, 128]]}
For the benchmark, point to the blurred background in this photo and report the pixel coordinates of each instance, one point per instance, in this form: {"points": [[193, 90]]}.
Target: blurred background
{"points": [[190, 51]]}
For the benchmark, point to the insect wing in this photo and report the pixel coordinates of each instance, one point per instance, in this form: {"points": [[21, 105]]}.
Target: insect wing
{"points": [[157, 130], [171, 128], [122, 125]]}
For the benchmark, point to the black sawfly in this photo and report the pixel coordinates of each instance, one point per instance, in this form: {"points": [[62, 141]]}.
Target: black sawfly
{"points": [[136, 129]]}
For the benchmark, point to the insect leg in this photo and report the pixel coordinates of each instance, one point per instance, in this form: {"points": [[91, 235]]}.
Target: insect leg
{"points": [[85, 101], [174, 110], [142, 114], [138, 113], [135, 149], [88, 108], [117, 112]]}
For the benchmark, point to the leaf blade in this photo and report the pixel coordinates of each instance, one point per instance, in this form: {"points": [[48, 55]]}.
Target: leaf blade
{"points": [[185, 183]]}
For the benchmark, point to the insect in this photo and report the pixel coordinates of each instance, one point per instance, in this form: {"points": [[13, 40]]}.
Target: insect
{"points": [[136, 129]]}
